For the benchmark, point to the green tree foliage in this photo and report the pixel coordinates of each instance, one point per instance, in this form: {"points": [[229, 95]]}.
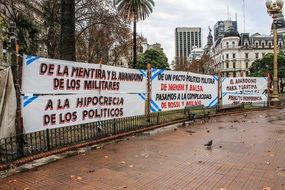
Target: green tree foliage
{"points": [[260, 67], [134, 10], [156, 58], [28, 35]]}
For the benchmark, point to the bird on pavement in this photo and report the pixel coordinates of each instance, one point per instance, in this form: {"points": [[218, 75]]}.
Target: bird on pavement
{"points": [[209, 144]]}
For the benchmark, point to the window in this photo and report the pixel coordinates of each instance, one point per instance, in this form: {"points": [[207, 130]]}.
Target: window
{"points": [[234, 74], [234, 65], [280, 45], [256, 44], [227, 44], [234, 55], [269, 44], [227, 56], [246, 55], [233, 44], [256, 55], [227, 65], [246, 65], [246, 45], [263, 45], [263, 54]]}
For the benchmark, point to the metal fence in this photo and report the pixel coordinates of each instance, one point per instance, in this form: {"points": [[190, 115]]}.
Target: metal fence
{"points": [[50, 139]]}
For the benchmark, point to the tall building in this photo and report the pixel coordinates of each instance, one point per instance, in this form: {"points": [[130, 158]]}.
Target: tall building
{"points": [[234, 53], [222, 26], [186, 39]]}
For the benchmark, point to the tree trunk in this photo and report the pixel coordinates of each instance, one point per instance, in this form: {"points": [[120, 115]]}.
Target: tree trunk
{"points": [[67, 37], [135, 45]]}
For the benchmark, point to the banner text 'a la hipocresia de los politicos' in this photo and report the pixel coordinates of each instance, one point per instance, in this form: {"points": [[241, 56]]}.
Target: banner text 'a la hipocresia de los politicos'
{"points": [[41, 112]]}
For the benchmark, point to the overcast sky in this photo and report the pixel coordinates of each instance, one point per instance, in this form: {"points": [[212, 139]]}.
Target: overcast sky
{"points": [[169, 14]]}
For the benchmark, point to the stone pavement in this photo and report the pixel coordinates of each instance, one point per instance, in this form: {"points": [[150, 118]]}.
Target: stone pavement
{"points": [[248, 153]]}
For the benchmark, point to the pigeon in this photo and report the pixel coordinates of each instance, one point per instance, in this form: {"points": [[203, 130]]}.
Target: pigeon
{"points": [[209, 144]]}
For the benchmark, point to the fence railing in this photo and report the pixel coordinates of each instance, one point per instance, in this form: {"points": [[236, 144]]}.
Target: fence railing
{"points": [[50, 139]]}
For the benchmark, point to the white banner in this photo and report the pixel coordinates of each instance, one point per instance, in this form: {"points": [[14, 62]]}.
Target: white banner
{"points": [[236, 99], [49, 76], [175, 90], [247, 85], [246, 90], [42, 112]]}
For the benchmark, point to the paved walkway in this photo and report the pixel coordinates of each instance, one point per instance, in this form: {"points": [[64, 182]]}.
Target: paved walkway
{"points": [[248, 153]]}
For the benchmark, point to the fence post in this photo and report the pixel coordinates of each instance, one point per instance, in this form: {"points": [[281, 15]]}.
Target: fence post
{"points": [[268, 88], [157, 122], [148, 92], [220, 95], [47, 139], [114, 127]]}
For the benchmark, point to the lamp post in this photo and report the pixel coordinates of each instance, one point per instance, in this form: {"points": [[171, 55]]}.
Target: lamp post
{"points": [[274, 9]]}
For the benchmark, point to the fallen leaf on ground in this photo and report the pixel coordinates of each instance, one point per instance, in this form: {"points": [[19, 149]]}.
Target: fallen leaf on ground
{"points": [[123, 162], [123, 187], [131, 166], [91, 171], [106, 157], [79, 178], [14, 180], [26, 188], [267, 163], [266, 188]]}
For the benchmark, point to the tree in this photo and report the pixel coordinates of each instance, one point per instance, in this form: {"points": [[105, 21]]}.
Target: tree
{"points": [[67, 35], [180, 63], [260, 67], [134, 10], [27, 29], [100, 31], [156, 58], [98, 28]]}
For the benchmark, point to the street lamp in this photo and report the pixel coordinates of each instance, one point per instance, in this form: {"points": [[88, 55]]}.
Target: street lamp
{"points": [[274, 9]]}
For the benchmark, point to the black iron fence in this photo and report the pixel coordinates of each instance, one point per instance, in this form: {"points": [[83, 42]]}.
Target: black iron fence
{"points": [[50, 139]]}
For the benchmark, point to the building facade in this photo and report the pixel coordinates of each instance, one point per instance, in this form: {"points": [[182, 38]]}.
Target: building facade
{"points": [[222, 26], [185, 39], [234, 53]]}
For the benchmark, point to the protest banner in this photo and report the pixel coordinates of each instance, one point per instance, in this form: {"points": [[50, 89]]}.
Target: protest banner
{"points": [[173, 90], [49, 76], [42, 112], [247, 90]]}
